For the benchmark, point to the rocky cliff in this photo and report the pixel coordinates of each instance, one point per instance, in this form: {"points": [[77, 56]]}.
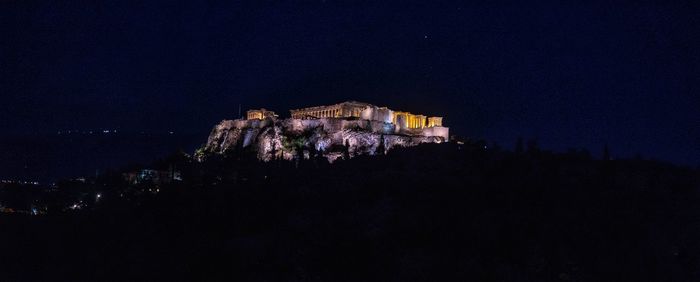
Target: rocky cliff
{"points": [[294, 138]]}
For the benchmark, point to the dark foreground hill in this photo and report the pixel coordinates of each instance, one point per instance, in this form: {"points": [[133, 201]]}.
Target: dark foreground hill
{"points": [[431, 213]]}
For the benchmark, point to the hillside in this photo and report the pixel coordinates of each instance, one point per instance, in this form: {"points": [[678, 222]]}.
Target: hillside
{"points": [[440, 212]]}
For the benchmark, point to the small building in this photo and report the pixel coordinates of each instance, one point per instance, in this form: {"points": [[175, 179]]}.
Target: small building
{"points": [[434, 121], [260, 114], [157, 177]]}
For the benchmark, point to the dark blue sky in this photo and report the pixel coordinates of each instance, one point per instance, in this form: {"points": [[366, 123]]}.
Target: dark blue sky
{"points": [[571, 75]]}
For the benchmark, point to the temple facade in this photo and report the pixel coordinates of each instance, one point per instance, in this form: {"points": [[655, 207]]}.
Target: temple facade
{"points": [[260, 114], [434, 121], [352, 109], [342, 110]]}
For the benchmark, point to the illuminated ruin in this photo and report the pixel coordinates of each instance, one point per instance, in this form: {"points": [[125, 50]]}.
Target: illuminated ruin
{"points": [[352, 109], [347, 128], [260, 114]]}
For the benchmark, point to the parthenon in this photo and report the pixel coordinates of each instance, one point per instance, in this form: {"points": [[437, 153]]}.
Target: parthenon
{"points": [[341, 110], [352, 109]]}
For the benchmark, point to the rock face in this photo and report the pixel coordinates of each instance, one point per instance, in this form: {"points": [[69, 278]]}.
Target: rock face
{"points": [[331, 138]]}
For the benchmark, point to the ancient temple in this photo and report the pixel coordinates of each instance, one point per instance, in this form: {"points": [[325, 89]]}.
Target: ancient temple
{"points": [[260, 114], [342, 110], [352, 114], [353, 109]]}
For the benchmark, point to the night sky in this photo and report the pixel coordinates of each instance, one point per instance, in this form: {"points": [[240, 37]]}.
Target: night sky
{"points": [[570, 75]]}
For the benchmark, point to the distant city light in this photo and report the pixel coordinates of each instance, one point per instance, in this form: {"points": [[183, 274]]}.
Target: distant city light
{"points": [[22, 182]]}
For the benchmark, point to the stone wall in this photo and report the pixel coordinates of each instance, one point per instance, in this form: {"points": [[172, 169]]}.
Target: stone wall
{"points": [[378, 114], [438, 131], [283, 138]]}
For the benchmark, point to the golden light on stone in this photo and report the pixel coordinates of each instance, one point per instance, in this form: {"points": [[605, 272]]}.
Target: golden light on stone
{"points": [[260, 114], [434, 121], [352, 109], [331, 126], [342, 110]]}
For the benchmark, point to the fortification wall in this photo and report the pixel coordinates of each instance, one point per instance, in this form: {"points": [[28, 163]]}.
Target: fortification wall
{"points": [[378, 114], [335, 125], [437, 131], [271, 138]]}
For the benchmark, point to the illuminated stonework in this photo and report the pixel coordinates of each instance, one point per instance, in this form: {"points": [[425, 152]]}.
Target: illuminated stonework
{"points": [[434, 121], [409, 120], [358, 128], [260, 114], [352, 109], [342, 110]]}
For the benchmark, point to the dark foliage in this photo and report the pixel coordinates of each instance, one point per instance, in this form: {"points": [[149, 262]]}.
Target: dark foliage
{"points": [[431, 213]]}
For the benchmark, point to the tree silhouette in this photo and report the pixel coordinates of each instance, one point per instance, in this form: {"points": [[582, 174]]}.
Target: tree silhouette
{"points": [[606, 152], [346, 150], [381, 149], [532, 146], [519, 147]]}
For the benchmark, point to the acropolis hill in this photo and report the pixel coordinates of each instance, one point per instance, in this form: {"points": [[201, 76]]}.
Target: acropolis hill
{"points": [[348, 128]]}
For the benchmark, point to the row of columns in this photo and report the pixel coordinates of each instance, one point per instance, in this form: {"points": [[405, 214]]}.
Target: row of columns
{"points": [[415, 121], [329, 113], [255, 115], [434, 121], [411, 120]]}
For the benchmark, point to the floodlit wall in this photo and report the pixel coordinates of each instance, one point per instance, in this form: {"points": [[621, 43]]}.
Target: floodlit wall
{"points": [[382, 114], [334, 125], [351, 115], [267, 136], [260, 114], [437, 131]]}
